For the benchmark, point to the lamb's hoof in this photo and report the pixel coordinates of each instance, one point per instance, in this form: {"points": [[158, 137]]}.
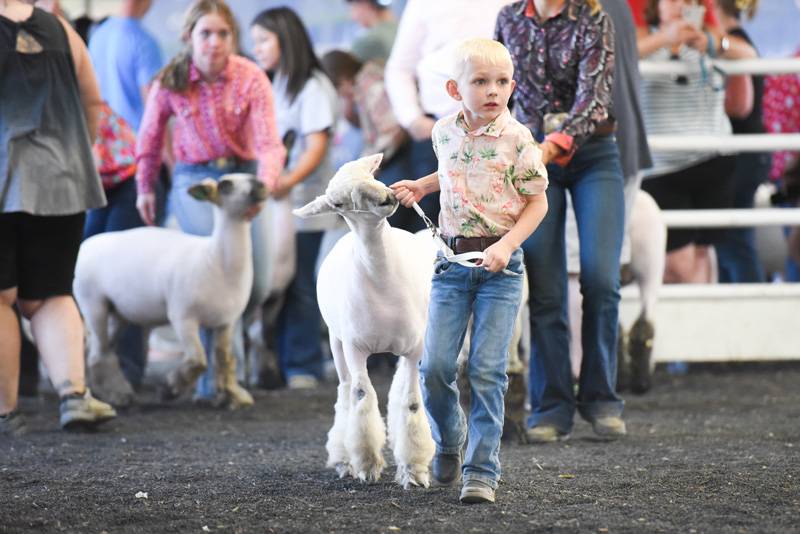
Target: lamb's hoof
{"points": [[109, 384], [640, 348], [370, 472], [514, 428], [344, 469], [236, 397], [182, 379], [410, 475]]}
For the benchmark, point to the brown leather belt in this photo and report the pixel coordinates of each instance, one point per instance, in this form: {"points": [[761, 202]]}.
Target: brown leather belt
{"points": [[605, 128], [460, 244]]}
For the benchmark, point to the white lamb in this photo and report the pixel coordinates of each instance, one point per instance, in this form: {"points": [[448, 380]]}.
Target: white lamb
{"points": [[373, 293], [152, 276]]}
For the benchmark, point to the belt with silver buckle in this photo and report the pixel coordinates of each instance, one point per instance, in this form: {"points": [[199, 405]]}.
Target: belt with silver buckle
{"points": [[222, 163]]}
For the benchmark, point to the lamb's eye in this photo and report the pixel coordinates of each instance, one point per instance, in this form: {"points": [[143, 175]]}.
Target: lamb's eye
{"points": [[338, 204], [224, 187]]}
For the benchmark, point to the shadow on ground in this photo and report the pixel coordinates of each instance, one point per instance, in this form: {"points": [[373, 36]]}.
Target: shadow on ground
{"points": [[712, 451]]}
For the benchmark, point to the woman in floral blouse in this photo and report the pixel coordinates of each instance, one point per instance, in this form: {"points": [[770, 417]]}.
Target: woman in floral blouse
{"points": [[563, 52]]}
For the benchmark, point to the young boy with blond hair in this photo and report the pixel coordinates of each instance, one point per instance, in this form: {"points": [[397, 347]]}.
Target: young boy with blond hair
{"points": [[492, 181]]}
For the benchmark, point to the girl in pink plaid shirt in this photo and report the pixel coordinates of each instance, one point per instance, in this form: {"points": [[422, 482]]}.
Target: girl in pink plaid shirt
{"points": [[223, 121]]}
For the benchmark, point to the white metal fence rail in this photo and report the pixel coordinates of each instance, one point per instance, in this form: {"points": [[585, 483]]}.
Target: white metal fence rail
{"points": [[724, 322]]}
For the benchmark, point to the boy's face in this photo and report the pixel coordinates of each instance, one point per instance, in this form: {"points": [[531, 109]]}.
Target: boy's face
{"points": [[483, 90]]}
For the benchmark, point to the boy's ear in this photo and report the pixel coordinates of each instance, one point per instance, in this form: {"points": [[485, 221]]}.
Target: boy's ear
{"points": [[452, 90]]}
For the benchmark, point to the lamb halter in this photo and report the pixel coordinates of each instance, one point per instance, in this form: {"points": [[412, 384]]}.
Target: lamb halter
{"points": [[465, 259]]}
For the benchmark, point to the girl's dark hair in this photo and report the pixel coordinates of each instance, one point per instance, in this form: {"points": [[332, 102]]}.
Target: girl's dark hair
{"points": [[175, 76], [651, 13], [298, 60]]}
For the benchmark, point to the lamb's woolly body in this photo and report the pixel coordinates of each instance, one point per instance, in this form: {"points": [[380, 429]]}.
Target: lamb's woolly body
{"points": [[373, 290], [154, 276]]}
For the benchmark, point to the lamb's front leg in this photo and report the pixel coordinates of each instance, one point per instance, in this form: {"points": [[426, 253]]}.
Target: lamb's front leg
{"points": [[105, 375], [338, 458], [194, 362], [228, 389], [366, 433], [409, 429]]}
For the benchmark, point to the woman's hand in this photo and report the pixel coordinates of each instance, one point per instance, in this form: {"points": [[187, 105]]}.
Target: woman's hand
{"points": [[408, 191], [146, 205], [282, 186], [550, 151], [678, 32], [699, 40]]}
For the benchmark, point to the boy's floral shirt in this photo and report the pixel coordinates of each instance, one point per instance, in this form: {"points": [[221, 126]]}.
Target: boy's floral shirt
{"points": [[484, 174]]}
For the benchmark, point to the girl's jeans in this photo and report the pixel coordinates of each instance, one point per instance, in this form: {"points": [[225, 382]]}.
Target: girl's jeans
{"points": [[594, 179], [197, 218], [492, 300]]}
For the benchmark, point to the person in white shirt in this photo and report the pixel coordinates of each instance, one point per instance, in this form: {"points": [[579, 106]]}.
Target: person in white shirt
{"points": [[416, 73]]}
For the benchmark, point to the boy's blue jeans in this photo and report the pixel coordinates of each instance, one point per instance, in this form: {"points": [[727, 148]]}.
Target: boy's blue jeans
{"points": [[492, 300], [594, 180]]}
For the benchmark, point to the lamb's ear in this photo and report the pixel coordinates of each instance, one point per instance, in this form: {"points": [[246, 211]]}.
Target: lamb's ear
{"points": [[205, 190], [318, 206], [371, 163]]}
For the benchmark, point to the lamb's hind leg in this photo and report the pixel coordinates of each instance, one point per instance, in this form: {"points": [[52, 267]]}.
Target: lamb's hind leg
{"points": [[365, 434], [228, 389], [409, 430], [338, 458], [105, 375], [193, 364]]}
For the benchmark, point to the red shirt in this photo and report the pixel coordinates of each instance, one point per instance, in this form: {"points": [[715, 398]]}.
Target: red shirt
{"points": [[232, 115], [638, 7]]}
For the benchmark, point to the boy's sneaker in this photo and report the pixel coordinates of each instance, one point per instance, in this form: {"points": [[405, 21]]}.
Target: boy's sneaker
{"points": [[545, 434], [446, 469], [81, 410], [12, 424], [476, 492], [609, 428]]}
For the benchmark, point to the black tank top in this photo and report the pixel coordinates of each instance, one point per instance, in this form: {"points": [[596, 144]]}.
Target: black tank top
{"points": [[46, 163], [753, 123]]}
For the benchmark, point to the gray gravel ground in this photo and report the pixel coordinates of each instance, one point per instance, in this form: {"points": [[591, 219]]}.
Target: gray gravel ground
{"points": [[713, 451]]}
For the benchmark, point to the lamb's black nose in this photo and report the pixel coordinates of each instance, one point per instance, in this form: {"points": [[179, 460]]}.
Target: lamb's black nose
{"points": [[258, 191]]}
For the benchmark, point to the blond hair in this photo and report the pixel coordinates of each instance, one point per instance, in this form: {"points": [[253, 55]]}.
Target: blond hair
{"points": [[482, 50], [594, 6]]}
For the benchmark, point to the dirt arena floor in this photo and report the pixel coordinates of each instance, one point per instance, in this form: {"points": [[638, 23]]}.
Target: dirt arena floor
{"points": [[716, 450]]}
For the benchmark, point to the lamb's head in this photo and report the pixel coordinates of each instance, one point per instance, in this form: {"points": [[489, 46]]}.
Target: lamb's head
{"points": [[239, 195], [353, 192]]}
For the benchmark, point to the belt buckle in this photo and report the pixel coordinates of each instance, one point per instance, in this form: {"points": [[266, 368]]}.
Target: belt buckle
{"points": [[220, 163]]}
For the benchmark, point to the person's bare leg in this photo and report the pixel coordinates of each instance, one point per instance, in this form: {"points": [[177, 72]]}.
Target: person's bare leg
{"points": [[705, 265], [58, 331], [9, 351], [679, 265]]}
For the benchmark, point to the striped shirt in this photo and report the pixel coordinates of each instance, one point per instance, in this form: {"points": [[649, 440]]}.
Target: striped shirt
{"points": [[232, 116], [693, 104]]}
